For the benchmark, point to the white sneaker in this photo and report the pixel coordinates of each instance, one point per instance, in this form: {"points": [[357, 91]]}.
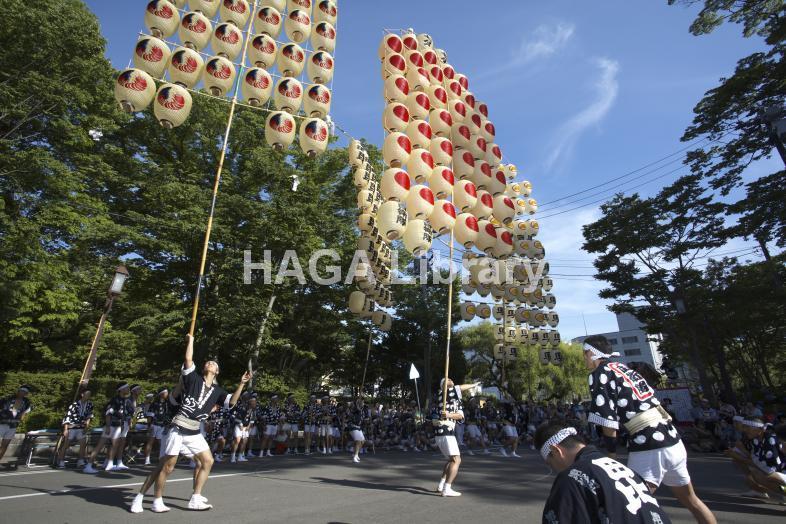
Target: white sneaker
{"points": [[355, 459], [109, 466], [218, 458], [121, 467], [89, 469], [514, 454], [241, 458], [486, 451], [470, 453], [268, 454], [198, 503], [147, 461], [80, 463], [233, 459], [159, 506], [136, 505], [440, 487], [751, 493], [61, 465], [448, 492], [503, 452]]}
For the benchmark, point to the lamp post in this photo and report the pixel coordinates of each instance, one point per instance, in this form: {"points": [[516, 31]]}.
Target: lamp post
{"points": [[115, 289]]}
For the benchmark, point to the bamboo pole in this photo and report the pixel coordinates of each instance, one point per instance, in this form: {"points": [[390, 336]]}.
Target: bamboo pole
{"points": [[219, 171], [450, 327], [365, 367]]}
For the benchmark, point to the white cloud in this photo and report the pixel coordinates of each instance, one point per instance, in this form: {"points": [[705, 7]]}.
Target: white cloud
{"points": [[606, 88]]}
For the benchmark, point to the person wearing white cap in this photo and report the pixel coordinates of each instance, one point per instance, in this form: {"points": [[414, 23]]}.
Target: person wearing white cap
{"points": [[12, 410], [200, 395], [621, 396], [591, 488], [76, 421]]}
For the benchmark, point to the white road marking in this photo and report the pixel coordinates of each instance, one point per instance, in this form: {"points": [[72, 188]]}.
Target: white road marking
{"points": [[4, 475]]}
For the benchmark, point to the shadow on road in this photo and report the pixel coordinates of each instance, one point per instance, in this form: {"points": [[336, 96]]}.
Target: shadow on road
{"points": [[377, 486]]}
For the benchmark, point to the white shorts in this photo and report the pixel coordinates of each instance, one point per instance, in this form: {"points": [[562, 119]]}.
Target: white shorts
{"points": [[294, 428], [510, 431], [76, 434], [357, 435], [7, 432], [271, 430], [448, 445], [240, 432], [336, 433], [325, 430], [116, 432], [157, 432], [781, 476], [252, 432], [665, 465], [310, 428], [473, 431], [177, 443], [491, 425]]}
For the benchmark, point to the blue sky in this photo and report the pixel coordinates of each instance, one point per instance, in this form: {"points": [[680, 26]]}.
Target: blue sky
{"points": [[579, 92]]}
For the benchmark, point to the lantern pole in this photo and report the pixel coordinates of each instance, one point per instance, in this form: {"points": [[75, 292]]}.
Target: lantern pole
{"points": [[220, 169], [365, 367], [450, 327]]}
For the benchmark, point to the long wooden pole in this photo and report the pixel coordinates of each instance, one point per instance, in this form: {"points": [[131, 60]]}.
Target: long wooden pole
{"points": [[450, 327], [365, 367], [87, 371], [220, 169]]}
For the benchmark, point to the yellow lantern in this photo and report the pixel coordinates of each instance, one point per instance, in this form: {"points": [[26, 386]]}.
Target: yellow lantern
{"points": [[151, 55], [209, 8], [314, 136], [291, 59], [463, 164], [466, 230], [443, 218], [323, 37], [487, 237], [320, 67], [484, 205], [395, 184], [395, 117], [441, 182], [396, 89], [227, 40], [417, 237], [263, 51], [162, 18], [134, 90], [513, 190], [297, 26], [420, 165], [185, 67], [219, 75], [394, 64], [326, 11], [268, 21], [441, 150], [420, 202], [280, 130], [468, 310], [235, 12], [172, 105], [419, 133], [392, 219], [256, 87], [441, 122], [504, 209], [396, 149], [316, 101], [288, 95]]}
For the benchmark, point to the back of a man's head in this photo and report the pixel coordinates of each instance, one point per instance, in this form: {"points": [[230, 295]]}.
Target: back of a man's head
{"points": [[599, 342], [547, 430]]}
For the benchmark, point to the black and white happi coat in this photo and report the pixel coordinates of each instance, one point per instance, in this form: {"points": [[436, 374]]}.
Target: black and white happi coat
{"points": [[197, 398], [160, 412], [78, 413], [117, 410], [619, 394], [597, 489], [11, 416], [767, 453], [454, 405]]}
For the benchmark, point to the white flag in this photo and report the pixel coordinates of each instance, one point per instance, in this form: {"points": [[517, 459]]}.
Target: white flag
{"points": [[413, 372]]}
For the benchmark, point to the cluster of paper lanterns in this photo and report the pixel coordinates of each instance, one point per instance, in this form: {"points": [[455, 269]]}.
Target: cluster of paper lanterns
{"points": [[373, 278], [212, 41]]}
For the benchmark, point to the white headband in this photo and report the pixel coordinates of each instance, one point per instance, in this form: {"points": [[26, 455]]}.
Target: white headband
{"points": [[24, 390], [555, 440], [737, 418], [597, 354], [753, 423]]}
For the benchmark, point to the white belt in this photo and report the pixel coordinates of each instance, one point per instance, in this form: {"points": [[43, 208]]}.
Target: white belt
{"points": [[647, 418]]}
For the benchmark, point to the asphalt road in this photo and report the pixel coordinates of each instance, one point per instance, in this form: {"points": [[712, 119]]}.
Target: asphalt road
{"points": [[387, 487]]}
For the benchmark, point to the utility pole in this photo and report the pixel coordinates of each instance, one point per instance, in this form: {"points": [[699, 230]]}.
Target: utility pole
{"points": [[253, 361]]}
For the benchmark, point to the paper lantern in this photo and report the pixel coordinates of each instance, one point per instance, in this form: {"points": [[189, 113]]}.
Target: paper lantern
{"points": [[396, 149], [468, 288], [511, 333], [498, 310], [545, 355], [420, 165], [417, 237], [297, 26], [442, 56], [235, 12], [461, 136], [464, 195], [513, 190], [134, 90], [522, 335], [367, 223], [390, 44], [418, 78], [394, 64], [488, 131], [532, 227], [481, 175], [448, 71], [441, 182], [288, 95], [484, 205], [326, 11], [477, 146], [511, 293], [185, 67], [314, 136], [511, 172], [418, 105], [441, 122], [520, 228], [469, 99], [531, 206], [304, 5], [172, 105], [151, 56], [392, 220], [548, 284], [280, 130], [537, 318], [441, 150], [262, 51], [257, 86], [291, 59], [437, 97], [503, 247], [357, 300], [522, 247], [320, 67], [550, 300], [454, 90], [420, 202], [431, 58], [279, 5], [227, 40], [316, 101], [498, 184], [556, 357], [424, 41], [357, 155], [493, 155], [396, 89], [162, 18], [458, 111], [268, 21], [219, 75], [499, 334], [207, 7], [468, 310], [435, 75], [323, 37], [463, 164], [466, 230], [414, 59], [538, 251], [410, 41], [419, 134], [504, 209], [483, 291], [552, 318], [474, 121], [483, 311], [487, 237], [380, 318], [395, 117], [443, 218], [395, 184]]}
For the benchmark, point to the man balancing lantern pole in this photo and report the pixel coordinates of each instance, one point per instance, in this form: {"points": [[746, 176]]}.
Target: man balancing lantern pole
{"points": [[620, 395], [200, 394]]}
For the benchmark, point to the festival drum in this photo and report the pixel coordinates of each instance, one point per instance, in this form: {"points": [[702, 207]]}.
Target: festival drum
{"points": [[396, 149], [263, 51], [395, 184], [417, 237], [316, 101], [268, 21], [487, 237], [297, 26], [291, 59], [134, 90], [280, 130], [235, 12], [323, 37], [209, 8], [227, 41], [463, 164], [219, 75], [484, 206], [391, 220], [441, 182], [162, 18], [420, 202], [172, 105], [288, 95], [194, 31], [443, 218], [314, 136], [481, 174], [420, 165], [419, 134], [396, 89], [468, 310], [465, 230], [185, 67], [256, 86], [325, 11], [151, 55], [441, 122], [504, 209]]}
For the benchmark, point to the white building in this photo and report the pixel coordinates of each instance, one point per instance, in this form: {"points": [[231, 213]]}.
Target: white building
{"points": [[632, 342]]}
